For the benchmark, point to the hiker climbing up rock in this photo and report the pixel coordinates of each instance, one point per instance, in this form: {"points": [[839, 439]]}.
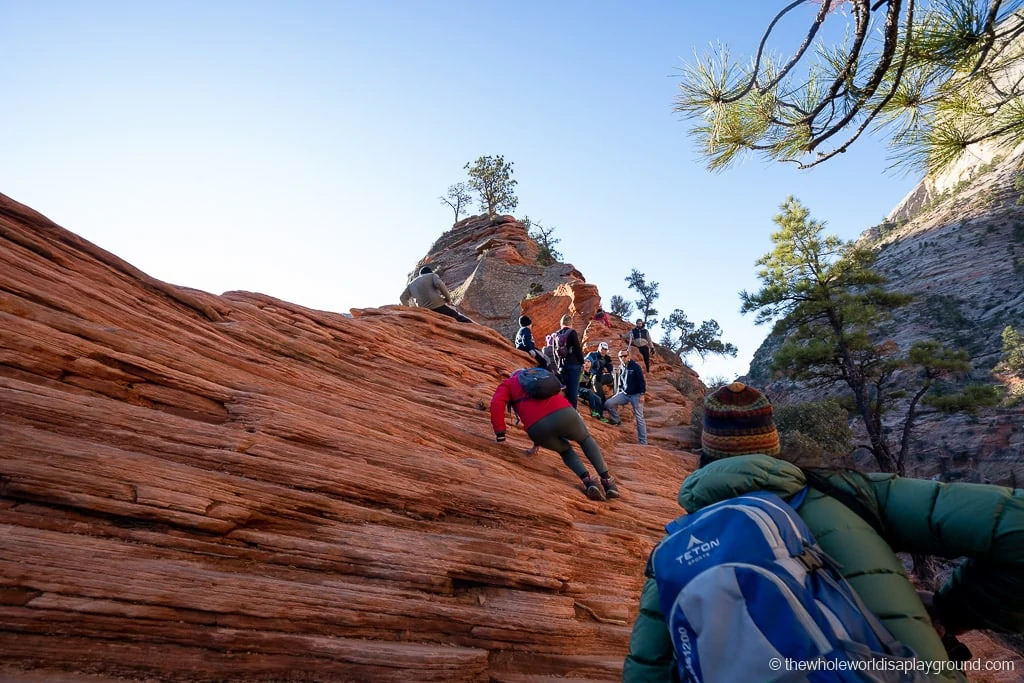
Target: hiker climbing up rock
{"points": [[428, 290], [858, 521], [550, 422]]}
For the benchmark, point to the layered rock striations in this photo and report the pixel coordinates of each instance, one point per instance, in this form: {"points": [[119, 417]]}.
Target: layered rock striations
{"points": [[209, 488], [199, 487], [956, 243]]}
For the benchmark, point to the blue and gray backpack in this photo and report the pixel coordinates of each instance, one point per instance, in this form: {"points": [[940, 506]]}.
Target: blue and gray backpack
{"points": [[748, 595]]}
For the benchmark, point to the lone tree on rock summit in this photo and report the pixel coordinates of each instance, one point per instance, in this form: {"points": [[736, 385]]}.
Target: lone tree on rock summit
{"points": [[939, 75], [491, 179]]}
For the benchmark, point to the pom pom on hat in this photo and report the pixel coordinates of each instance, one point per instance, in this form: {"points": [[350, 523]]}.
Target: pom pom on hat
{"points": [[738, 420]]}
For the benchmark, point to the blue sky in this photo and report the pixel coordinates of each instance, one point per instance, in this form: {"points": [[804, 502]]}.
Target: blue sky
{"points": [[299, 148]]}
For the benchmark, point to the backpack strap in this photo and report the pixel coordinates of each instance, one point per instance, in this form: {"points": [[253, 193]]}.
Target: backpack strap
{"points": [[818, 481]]}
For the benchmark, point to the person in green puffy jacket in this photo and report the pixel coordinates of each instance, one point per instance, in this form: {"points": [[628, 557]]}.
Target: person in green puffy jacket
{"points": [[982, 523]]}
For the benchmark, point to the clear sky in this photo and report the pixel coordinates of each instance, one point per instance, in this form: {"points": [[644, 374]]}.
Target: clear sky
{"points": [[299, 148]]}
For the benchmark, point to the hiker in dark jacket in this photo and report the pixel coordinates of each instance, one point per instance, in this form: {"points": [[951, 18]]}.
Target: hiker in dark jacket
{"points": [[553, 423], [640, 338], [982, 523], [524, 341], [569, 367], [632, 387], [429, 291], [600, 360]]}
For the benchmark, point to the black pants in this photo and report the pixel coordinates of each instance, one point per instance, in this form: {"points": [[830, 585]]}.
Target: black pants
{"points": [[555, 431], [645, 351], [451, 313]]}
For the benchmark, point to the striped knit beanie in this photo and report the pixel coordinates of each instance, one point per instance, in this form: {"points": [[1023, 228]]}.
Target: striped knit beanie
{"points": [[738, 420]]}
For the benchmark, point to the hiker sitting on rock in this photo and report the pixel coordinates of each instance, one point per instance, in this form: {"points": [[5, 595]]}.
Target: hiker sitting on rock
{"points": [[429, 291], [551, 422], [587, 390], [601, 388], [600, 360], [858, 520], [524, 341]]}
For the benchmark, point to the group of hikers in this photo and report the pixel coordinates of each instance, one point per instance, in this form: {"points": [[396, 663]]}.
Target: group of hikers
{"points": [[594, 378], [776, 572], [546, 399]]}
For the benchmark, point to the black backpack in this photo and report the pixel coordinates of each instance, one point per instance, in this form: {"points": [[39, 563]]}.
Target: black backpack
{"points": [[538, 382]]}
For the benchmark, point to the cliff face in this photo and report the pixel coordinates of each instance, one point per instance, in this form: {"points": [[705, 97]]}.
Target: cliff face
{"points": [[956, 243], [490, 265], [200, 487]]}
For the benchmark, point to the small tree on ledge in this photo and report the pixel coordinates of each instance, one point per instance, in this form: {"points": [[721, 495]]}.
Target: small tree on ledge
{"points": [[621, 307], [703, 340], [458, 198], [545, 239], [491, 179]]}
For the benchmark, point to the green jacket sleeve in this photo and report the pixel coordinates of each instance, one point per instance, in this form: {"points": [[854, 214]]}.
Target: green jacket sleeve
{"points": [[650, 657], [982, 523]]}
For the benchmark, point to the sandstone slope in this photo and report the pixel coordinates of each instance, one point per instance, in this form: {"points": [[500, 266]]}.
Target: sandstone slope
{"points": [[200, 487]]}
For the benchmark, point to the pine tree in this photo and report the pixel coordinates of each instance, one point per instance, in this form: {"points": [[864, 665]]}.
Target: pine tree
{"points": [[938, 76], [829, 304], [491, 179]]}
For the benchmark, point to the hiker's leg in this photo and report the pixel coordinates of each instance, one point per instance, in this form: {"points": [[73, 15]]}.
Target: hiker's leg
{"points": [[573, 427], [451, 313], [571, 379], [594, 402], [641, 423], [557, 429], [646, 353], [612, 406], [593, 453], [572, 460], [547, 433]]}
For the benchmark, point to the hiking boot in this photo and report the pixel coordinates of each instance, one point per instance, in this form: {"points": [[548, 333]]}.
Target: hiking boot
{"points": [[603, 419], [593, 490], [614, 423], [594, 413], [610, 489]]}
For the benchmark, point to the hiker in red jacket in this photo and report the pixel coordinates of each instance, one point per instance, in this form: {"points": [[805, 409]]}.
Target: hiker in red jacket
{"points": [[552, 423]]}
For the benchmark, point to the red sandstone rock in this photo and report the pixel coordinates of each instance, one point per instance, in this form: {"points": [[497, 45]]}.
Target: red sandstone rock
{"points": [[200, 487]]}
